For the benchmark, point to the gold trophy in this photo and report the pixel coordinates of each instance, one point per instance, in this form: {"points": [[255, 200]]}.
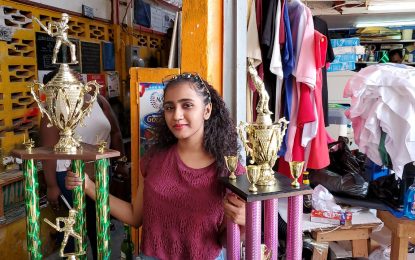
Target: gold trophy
{"points": [[253, 173], [263, 138], [296, 169], [65, 105], [68, 230], [231, 164]]}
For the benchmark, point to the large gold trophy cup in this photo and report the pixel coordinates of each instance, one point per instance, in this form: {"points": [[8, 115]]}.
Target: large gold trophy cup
{"points": [[65, 106], [263, 138]]}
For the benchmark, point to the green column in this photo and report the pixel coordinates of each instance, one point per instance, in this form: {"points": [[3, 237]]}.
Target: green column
{"points": [[32, 209], [78, 196], [102, 208]]}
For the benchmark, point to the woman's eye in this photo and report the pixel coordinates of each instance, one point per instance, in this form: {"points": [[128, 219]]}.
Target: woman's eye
{"points": [[168, 108], [187, 105]]}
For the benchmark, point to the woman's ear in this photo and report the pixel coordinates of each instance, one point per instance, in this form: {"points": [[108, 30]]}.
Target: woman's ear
{"points": [[208, 111]]}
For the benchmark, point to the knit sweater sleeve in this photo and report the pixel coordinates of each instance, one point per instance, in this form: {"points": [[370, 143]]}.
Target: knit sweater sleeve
{"points": [[145, 162]]}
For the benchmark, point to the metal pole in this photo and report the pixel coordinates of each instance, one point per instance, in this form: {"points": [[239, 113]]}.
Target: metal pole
{"points": [[102, 208], [32, 210], [78, 196], [271, 227], [253, 231]]}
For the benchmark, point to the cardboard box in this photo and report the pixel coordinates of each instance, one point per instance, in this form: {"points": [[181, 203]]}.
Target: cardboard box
{"points": [[331, 217], [345, 42]]}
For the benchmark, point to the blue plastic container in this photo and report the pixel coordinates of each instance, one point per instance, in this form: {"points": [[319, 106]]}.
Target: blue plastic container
{"points": [[374, 171], [409, 204]]}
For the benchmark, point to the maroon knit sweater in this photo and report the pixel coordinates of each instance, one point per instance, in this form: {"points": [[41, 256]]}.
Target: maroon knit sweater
{"points": [[182, 208]]}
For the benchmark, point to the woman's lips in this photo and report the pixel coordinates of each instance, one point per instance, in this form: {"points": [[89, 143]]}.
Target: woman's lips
{"points": [[179, 126]]}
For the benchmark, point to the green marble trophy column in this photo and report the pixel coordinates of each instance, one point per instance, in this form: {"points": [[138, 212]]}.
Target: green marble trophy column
{"points": [[87, 153]]}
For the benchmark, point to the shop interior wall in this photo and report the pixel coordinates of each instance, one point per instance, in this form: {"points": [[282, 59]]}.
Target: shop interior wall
{"points": [[19, 115], [102, 8]]}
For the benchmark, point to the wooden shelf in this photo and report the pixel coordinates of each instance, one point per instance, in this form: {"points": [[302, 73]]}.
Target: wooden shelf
{"points": [[388, 41]]}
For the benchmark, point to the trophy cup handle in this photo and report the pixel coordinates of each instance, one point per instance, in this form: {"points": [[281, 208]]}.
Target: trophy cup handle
{"points": [[38, 101], [241, 128], [96, 91], [283, 124]]}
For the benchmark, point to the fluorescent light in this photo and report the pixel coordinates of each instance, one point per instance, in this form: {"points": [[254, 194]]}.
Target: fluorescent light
{"points": [[391, 23], [392, 7]]}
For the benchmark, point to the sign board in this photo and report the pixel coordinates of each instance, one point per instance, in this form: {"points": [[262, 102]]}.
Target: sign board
{"points": [[151, 102], [90, 58]]}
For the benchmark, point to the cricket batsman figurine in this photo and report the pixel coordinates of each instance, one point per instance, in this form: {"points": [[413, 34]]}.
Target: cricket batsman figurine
{"points": [[68, 230], [61, 35]]}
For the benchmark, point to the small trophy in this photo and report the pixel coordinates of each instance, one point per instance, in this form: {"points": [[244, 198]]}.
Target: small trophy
{"points": [[296, 169], [231, 164], [253, 174]]}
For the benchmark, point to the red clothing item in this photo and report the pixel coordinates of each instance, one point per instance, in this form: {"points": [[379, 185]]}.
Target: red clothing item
{"points": [[182, 208], [282, 24], [305, 115], [319, 152]]}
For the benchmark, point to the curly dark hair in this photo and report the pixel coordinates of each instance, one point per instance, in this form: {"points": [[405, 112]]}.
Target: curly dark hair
{"points": [[220, 136]]}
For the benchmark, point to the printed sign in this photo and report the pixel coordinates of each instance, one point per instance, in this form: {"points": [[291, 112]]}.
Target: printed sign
{"points": [[151, 102]]}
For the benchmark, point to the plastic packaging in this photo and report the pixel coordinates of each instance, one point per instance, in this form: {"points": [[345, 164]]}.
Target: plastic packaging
{"points": [[409, 204]]}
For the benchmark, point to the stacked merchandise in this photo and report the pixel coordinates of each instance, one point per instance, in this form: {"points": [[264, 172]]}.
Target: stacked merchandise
{"points": [[376, 33], [383, 113], [346, 52]]}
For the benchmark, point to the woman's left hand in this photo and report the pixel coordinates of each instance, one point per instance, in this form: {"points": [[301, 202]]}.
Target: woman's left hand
{"points": [[121, 170], [234, 208]]}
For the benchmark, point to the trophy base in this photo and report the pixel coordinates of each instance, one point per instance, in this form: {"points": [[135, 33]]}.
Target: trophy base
{"points": [[295, 184], [267, 179], [67, 145]]}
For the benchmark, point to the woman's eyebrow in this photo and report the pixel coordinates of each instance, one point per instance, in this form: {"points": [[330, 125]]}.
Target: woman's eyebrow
{"points": [[179, 101]]}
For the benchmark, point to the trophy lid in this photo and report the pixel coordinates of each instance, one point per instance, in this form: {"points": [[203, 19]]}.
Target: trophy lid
{"points": [[65, 76]]}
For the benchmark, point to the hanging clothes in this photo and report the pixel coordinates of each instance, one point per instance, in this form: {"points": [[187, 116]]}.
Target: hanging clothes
{"points": [[254, 52], [276, 63], [304, 81], [383, 100], [321, 26], [288, 60], [267, 43], [302, 28], [317, 154]]}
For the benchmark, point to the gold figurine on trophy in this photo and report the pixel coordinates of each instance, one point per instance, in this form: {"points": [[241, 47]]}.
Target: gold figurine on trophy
{"points": [[61, 34], [232, 164], [296, 169], [262, 139], [253, 173], [65, 106], [68, 230]]}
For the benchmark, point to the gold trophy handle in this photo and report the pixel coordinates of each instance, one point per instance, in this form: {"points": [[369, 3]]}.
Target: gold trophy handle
{"points": [[38, 101], [283, 124], [241, 128], [87, 89]]}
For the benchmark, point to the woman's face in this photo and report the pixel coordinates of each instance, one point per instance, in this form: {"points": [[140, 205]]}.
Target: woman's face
{"points": [[185, 112]]}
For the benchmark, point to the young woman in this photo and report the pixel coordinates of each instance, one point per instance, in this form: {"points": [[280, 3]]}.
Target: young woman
{"points": [[180, 203]]}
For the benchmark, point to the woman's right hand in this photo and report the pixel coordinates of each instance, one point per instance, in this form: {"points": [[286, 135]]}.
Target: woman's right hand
{"points": [[72, 180], [53, 193]]}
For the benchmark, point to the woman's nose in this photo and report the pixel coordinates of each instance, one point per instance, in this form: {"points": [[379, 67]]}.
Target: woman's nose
{"points": [[178, 114]]}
